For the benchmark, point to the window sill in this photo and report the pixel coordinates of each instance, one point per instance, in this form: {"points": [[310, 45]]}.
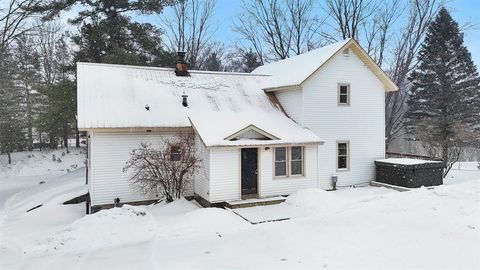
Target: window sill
{"points": [[343, 170], [286, 177]]}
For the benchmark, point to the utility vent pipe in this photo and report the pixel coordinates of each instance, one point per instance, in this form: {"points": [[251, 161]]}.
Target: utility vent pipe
{"points": [[184, 100]]}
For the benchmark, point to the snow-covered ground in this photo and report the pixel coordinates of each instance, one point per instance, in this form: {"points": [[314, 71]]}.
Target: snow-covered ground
{"points": [[353, 228]]}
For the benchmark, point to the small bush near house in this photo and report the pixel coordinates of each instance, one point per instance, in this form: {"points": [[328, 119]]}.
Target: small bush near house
{"points": [[165, 169]]}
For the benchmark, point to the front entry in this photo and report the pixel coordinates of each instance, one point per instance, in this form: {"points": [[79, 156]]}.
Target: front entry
{"points": [[249, 172]]}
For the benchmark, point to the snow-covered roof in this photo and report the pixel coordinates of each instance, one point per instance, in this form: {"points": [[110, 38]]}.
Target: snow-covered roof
{"points": [[219, 103], [295, 70], [406, 161], [226, 124]]}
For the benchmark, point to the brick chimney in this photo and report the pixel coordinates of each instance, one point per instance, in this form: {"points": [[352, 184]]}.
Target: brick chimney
{"points": [[181, 69]]}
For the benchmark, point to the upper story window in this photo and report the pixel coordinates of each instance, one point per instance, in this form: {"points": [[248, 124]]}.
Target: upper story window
{"points": [[280, 161], [343, 155], [344, 94], [175, 153]]}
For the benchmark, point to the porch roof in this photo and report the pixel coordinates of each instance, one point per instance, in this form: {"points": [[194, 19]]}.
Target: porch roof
{"points": [[215, 128]]}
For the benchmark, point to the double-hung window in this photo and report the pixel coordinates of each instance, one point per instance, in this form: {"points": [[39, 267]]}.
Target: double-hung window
{"points": [[288, 161], [296, 160], [280, 161], [344, 94], [343, 155]]}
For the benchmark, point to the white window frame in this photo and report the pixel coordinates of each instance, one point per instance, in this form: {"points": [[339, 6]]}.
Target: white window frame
{"points": [[288, 160], [340, 94], [291, 160], [347, 155]]}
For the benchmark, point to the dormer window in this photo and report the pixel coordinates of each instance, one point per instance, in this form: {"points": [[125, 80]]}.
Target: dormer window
{"points": [[343, 94]]}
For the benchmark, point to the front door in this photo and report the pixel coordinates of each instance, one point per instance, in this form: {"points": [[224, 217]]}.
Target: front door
{"points": [[249, 171]]}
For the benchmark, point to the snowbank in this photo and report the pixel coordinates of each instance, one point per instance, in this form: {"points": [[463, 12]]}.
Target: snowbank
{"points": [[37, 163], [314, 199]]}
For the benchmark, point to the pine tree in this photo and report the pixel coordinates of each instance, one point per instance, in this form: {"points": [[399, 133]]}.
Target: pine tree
{"points": [[251, 61], [108, 34], [12, 135], [213, 63], [27, 78], [444, 102]]}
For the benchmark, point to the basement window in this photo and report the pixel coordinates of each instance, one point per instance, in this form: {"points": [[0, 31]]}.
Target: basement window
{"points": [[343, 94], [175, 153]]}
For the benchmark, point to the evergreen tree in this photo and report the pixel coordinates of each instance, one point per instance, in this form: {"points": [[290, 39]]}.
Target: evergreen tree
{"points": [[213, 63], [251, 61], [108, 34], [27, 78], [444, 102], [59, 115], [12, 136]]}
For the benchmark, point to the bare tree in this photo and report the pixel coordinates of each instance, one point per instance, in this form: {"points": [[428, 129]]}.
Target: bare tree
{"points": [[421, 13], [164, 170], [277, 29], [13, 20], [189, 28], [379, 30], [349, 15], [450, 153]]}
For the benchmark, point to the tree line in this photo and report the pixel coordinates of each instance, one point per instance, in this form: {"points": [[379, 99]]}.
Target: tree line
{"points": [[38, 53]]}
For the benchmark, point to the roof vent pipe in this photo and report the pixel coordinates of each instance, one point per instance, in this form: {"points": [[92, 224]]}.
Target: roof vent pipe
{"points": [[181, 68], [184, 101]]}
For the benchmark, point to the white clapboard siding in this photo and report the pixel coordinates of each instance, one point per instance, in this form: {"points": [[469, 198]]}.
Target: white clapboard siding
{"points": [[224, 174], [270, 186], [202, 177], [291, 101], [362, 123], [109, 154]]}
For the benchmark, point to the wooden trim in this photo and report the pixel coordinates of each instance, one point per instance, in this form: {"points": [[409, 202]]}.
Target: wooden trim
{"points": [[137, 129], [249, 128], [366, 59], [257, 195], [283, 88]]}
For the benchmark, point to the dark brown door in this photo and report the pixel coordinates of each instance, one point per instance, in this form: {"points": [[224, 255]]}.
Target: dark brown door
{"points": [[249, 171]]}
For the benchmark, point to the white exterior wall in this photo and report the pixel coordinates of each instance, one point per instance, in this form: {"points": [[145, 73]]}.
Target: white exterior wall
{"points": [[291, 101], [202, 177], [224, 175], [271, 186], [109, 154], [362, 122]]}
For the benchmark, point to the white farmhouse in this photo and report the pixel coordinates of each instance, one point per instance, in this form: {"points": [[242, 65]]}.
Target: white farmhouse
{"points": [[289, 125]]}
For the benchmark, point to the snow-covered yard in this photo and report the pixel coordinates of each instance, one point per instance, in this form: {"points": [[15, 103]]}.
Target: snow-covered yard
{"points": [[360, 228]]}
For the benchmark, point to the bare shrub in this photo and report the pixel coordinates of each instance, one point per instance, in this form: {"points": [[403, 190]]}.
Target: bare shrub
{"points": [[164, 170]]}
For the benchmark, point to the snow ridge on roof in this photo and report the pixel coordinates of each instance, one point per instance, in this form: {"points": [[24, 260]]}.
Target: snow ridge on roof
{"points": [[294, 70]]}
